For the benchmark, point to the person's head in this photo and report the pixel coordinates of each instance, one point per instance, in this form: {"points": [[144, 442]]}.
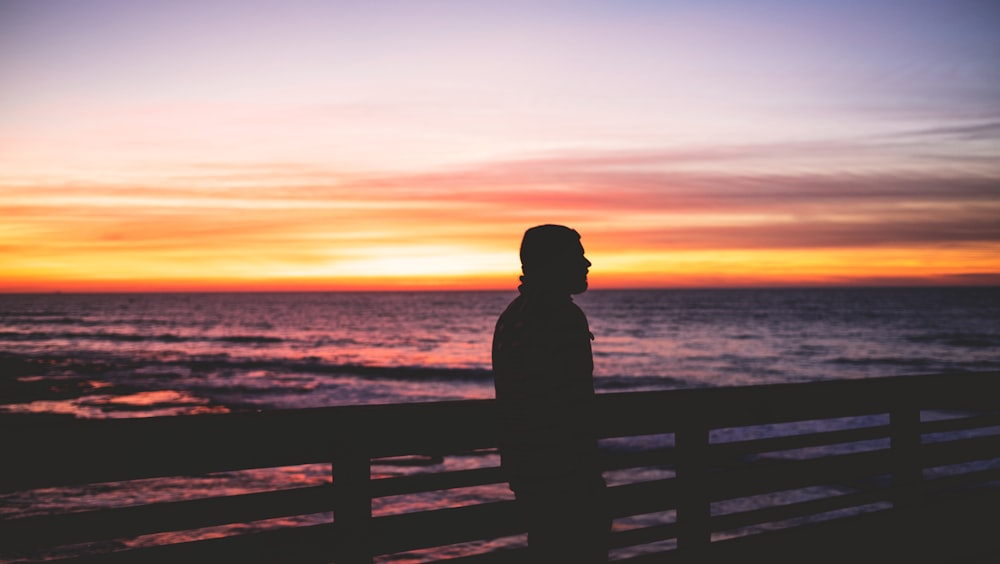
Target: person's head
{"points": [[552, 258]]}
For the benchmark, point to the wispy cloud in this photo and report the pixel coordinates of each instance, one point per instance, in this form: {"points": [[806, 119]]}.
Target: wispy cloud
{"points": [[988, 131]]}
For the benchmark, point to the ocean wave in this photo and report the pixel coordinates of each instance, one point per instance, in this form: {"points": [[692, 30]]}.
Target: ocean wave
{"points": [[248, 339], [892, 361], [964, 340], [39, 336], [93, 364], [628, 383], [46, 319], [34, 314], [99, 384]]}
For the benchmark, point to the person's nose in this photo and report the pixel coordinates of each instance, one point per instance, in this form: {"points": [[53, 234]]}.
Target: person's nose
{"points": [[587, 262]]}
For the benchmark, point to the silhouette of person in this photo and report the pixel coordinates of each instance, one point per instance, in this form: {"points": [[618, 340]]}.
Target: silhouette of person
{"points": [[543, 374]]}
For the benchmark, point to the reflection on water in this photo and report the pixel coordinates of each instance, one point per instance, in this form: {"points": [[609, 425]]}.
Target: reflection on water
{"points": [[154, 403], [252, 351]]}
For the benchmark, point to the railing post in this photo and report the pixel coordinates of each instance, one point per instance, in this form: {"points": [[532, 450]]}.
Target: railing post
{"points": [[904, 442], [907, 473], [352, 511], [693, 507]]}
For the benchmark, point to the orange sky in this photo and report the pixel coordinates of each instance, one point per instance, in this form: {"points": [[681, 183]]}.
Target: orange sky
{"points": [[460, 229], [169, 147]]}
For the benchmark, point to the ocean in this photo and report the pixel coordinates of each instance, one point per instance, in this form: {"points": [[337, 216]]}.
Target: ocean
{"points": [[138, 355], [130, 355]]}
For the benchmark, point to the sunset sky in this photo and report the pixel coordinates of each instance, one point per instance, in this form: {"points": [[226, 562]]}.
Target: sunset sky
{"points": [[230, 145]]}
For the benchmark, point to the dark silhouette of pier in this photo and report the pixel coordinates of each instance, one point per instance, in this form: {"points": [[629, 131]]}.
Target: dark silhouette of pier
{"points": [[919, 483]]}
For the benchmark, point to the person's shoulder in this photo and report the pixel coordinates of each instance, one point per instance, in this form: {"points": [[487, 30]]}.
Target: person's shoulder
{"points": [[569, 308], [513, 317], [515, 307], [574, 307]]}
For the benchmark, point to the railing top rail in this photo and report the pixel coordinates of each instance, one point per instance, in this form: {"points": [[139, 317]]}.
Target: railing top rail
{"points": [[85, 451]]}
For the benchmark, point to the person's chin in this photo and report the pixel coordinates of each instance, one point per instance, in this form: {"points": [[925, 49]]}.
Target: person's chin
{"points": [[580, 288]]}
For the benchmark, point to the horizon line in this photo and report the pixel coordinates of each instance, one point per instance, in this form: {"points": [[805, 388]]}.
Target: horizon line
{"points": [[417, 290]]}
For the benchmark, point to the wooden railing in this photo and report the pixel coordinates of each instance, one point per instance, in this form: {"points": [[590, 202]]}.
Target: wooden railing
{"points": [[902, 463]]}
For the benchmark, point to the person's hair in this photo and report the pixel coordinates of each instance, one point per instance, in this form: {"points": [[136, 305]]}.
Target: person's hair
{"points": [[543, 243]]}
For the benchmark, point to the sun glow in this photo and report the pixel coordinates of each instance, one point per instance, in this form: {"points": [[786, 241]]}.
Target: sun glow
{"points": [[425, 261]]}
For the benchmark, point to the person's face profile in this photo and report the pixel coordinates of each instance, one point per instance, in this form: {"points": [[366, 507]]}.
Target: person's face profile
{"points": [[574, 267]]}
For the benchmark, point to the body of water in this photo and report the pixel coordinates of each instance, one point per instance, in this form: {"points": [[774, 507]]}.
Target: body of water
{"points": [[124, 355], [134, 355]]}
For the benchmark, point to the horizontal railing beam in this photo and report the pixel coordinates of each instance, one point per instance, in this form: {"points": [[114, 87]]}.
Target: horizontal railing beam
{"points": [[780, 475], [662, 457], [441, 527], [643, 497], [959, 451], [310, 544], [418, 483], [643, 535], [125, 522], [952, 482], [736, 449], [796, 510], [980, 421]]}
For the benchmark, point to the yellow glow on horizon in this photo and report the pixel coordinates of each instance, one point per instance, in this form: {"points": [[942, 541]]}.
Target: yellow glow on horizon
{"points": [[430, 267], [426, 261], [805, 265]]}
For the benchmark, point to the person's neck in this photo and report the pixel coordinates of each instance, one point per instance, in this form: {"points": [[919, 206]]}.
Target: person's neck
{"points": [[543, 289]]}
